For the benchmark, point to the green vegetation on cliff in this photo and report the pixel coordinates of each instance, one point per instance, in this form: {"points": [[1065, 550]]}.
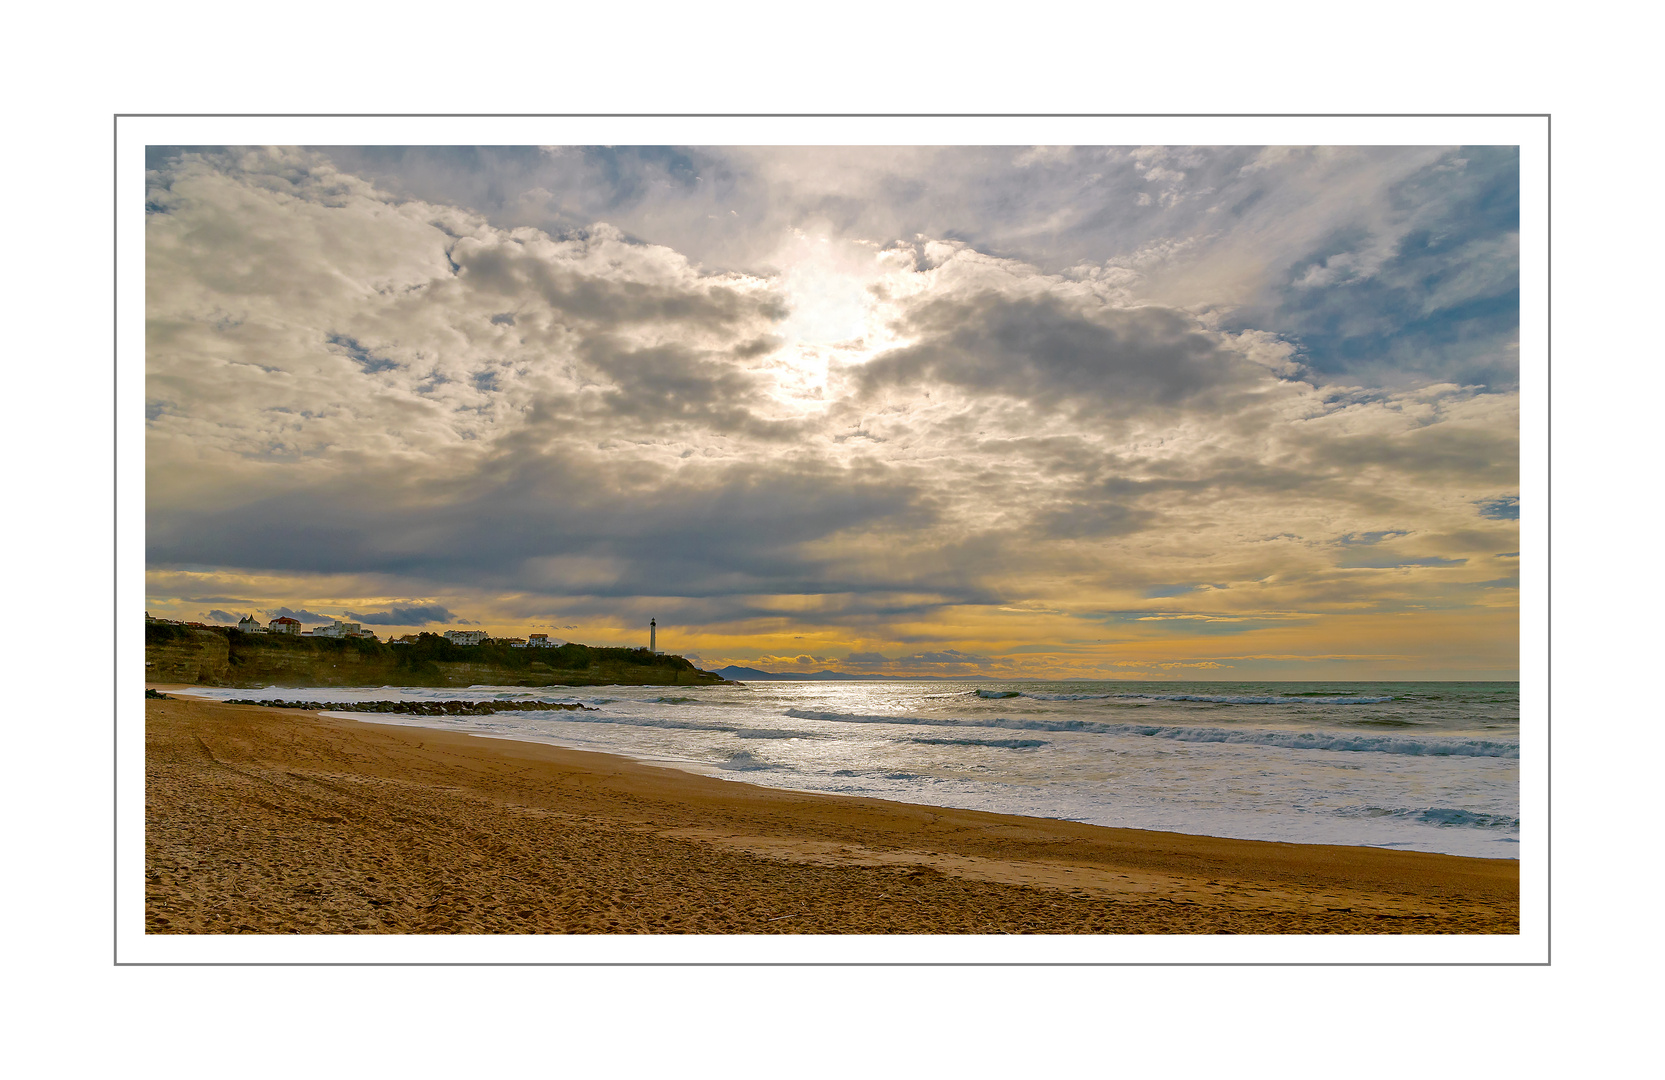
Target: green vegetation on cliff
{"points": [[229, 657]]}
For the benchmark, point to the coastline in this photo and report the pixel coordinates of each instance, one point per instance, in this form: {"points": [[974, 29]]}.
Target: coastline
{"points": [[283, 821]]}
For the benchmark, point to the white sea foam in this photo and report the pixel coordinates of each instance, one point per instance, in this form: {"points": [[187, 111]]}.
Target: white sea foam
{"points": [[1221, 699], [1293, 740], [1005, 744], [746, 761], [1214, 699], [1435, 815]]}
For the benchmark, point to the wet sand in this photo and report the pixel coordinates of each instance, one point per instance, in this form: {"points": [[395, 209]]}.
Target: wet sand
{"points": [[280, 821]]}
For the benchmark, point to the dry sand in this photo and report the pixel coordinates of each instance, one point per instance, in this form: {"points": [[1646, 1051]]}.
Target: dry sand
{"points": [[281, 821]]}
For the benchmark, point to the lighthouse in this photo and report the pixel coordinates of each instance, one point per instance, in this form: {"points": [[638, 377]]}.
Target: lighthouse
{"points": [[653, 636]]}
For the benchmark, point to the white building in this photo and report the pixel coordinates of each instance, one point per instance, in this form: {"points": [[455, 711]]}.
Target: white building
{"points": [[342, 629], [465, 637], [248, 625]]}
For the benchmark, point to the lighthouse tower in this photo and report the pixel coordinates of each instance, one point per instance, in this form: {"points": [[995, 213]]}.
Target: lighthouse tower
{"points": [[653, 636]]}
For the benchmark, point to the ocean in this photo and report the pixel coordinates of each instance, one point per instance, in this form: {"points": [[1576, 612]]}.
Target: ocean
{"points": [[1415, 766]]}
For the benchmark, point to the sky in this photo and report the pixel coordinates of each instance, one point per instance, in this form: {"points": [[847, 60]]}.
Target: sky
{"points": [[1057, 412]]}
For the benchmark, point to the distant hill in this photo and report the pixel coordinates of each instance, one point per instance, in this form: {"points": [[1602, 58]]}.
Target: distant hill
{"points": [[740, 674], [221, 656]]}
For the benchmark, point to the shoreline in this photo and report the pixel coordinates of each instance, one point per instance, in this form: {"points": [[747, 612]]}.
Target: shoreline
{"points": [[712, 772], [1229, 829], [284, 821]]}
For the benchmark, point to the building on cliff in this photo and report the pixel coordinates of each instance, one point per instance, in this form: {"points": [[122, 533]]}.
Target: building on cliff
{"points": [[343, 629], [283, 624], [465, 637]]}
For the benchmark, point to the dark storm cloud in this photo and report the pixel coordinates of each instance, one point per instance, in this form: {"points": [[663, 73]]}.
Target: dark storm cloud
{"points": [[851, 609], [413, 615], [1053, 354], [301, 615], [693, 533]]}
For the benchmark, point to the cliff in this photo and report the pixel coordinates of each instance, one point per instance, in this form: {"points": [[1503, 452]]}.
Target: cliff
{"points": [[228, 657]]}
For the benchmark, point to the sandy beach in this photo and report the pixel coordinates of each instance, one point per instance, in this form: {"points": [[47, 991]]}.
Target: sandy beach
{"points": [[265, 820]]}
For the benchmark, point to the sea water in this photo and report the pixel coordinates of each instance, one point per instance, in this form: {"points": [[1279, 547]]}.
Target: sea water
{"points": [[1416, 766]]}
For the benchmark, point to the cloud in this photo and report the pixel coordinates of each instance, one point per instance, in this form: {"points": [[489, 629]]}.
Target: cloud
{"points": [[1398, 563], [415, 614], [800, 660], [921, 661], [1052, 353], [1347, 249], [1375, 537], [947, 656], [224, 616], [300, 616], [1424, 286]]}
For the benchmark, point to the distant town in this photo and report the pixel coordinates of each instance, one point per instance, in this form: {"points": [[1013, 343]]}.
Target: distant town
{"points": [[285, 625]]}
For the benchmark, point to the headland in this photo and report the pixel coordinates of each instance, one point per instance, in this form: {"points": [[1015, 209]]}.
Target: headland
{"points": [[224, 656]]}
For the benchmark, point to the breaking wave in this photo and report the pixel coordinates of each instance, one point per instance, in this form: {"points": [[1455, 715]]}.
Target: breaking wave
{"points": [[1291, 740], [1300, 698], [1281, 699], [1436, 815], [881, 775], [1041, 695], [745, 762], [1004, 744]]}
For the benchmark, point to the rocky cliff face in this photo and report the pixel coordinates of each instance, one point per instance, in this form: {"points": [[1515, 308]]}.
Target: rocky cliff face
{"points": [[203, 658], [176, 654]]}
